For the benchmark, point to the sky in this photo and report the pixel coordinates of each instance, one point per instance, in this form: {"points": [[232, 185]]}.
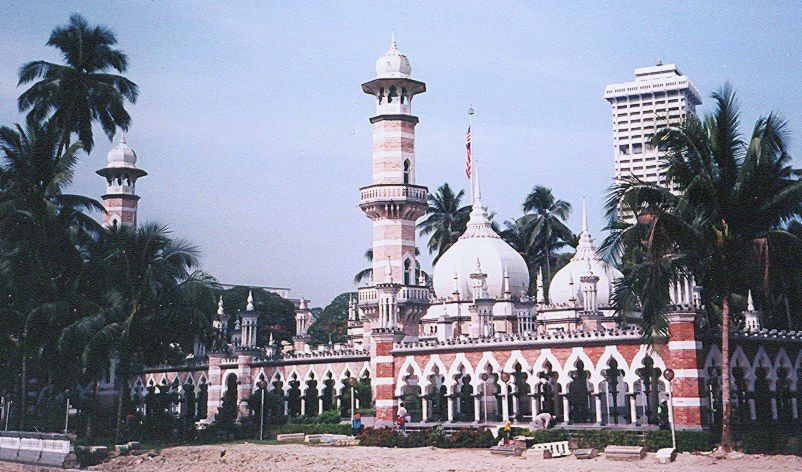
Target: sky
{"points": [[254, 130]]}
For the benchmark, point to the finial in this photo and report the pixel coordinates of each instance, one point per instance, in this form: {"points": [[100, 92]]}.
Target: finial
{"points": [[249, 307], [220, 310], [570, 278], [392, 42], [584, 216], [270, 341], [478, 266], [122, 137], [750, 305], [470, 109]]}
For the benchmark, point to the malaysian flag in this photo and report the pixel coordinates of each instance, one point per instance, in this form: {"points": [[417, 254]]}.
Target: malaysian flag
{"points": [[468, 148]]}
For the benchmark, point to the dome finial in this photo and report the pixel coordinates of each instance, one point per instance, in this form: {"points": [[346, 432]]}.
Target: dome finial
{"points": [[249, 307], [584, 216], [392, 42], [220, 310], [122, 137]]}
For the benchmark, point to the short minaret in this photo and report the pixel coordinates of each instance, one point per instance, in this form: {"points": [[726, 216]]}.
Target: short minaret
{"points": [[752, 317], [589, 291], [393, 201], [303, 319], [120, 199], [249, 324], [541, 298]]}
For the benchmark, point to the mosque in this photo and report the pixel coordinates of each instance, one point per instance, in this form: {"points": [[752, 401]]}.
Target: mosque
{"points": [[469, 346]]}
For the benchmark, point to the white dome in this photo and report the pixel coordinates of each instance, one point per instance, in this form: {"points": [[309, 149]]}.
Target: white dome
{"points": [[561, 289], [393, 64], [121, 155], [495, 256]]}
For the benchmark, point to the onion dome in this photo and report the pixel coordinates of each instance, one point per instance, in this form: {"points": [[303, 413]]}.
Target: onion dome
{"points": [[564, 285], [121, 155], [393, 64], [497, 258]]}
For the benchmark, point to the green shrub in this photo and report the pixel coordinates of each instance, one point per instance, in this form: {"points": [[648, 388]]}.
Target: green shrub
{"points": [[762, 441], [687, 441], [329, 417], [465, 438], [549, 435]]}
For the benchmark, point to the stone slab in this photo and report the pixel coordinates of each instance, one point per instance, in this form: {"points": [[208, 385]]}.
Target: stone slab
{"points": [[538, 454], [586, 453], [291, 437], [625, 453]]}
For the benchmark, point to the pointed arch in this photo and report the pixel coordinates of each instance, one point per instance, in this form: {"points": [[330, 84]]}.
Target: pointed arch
{"points": [[459, 360], [783, 360], [631, 375], [428, 369], [762, 360], [547, 356], [409, 362], [577, 354], [610, 352], [739, 359], [517, 356], [487, 359]]}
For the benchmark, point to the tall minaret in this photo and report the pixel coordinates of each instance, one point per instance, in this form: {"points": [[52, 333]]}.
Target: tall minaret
{"points": [[121, 174], [393, 202]]}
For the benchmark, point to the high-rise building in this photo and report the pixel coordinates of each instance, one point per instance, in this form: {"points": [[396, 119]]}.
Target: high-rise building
{"points": [[659, 94]]}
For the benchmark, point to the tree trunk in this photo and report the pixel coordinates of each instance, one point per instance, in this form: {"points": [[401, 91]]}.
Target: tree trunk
{"points": [[92, 413], [726, 427], [23, 391], [547, 282], [120, 385]]}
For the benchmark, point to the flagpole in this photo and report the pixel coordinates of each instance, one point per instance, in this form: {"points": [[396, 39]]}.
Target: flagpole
{"points": [[473, 156]]}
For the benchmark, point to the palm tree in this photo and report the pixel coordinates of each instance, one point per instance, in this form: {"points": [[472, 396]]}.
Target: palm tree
{"points": [[40, 227], [721, 218], [543, 221], [365, 274], [81, 91], [446, 219], [154, 301]]}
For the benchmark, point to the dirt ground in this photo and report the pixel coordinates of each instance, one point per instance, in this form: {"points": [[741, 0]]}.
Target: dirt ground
{"points": [[297, 457]]}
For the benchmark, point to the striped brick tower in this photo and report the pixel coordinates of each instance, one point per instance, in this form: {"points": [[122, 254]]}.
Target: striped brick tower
{"points": [[120, 199], [394, 302], [684, 357]]}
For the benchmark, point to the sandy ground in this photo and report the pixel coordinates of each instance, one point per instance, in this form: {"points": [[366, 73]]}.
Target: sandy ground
{"points": [[296, 457]]}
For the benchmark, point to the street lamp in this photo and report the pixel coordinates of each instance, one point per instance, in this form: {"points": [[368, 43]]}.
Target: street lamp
{"points": [[263, 386], [505, 377], [67, 411], [352, 382], [669, 375], [484, 378]]}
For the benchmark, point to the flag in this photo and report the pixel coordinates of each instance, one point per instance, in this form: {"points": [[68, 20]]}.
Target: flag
{"points": [[468, 148]]}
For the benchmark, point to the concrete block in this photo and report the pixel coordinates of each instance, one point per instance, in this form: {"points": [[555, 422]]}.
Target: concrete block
{"points": [[538, 454], [586, 453], [666, 455], [625, 453]]}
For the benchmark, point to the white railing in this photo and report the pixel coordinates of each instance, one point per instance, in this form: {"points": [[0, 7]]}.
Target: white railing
{"points": [[392, 192]]}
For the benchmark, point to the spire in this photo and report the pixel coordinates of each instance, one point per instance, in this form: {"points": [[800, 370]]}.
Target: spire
{"points": [[270, 341], [750, 304], [220, 310], [249, 307], [392, 42], [541, 298], [584, 216]]}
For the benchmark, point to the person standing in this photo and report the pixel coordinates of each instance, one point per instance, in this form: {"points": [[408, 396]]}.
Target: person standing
{"points": [[356, 425]]}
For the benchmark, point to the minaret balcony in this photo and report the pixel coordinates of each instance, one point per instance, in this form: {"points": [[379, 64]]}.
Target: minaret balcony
{"points": [[393, 201], [405, 294]]}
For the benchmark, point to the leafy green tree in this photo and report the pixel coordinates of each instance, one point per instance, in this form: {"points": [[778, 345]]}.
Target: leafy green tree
{"points": [[445, 219], [721, 218], [331, 325], [41, 228], [276, 314], [82, 91]]}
